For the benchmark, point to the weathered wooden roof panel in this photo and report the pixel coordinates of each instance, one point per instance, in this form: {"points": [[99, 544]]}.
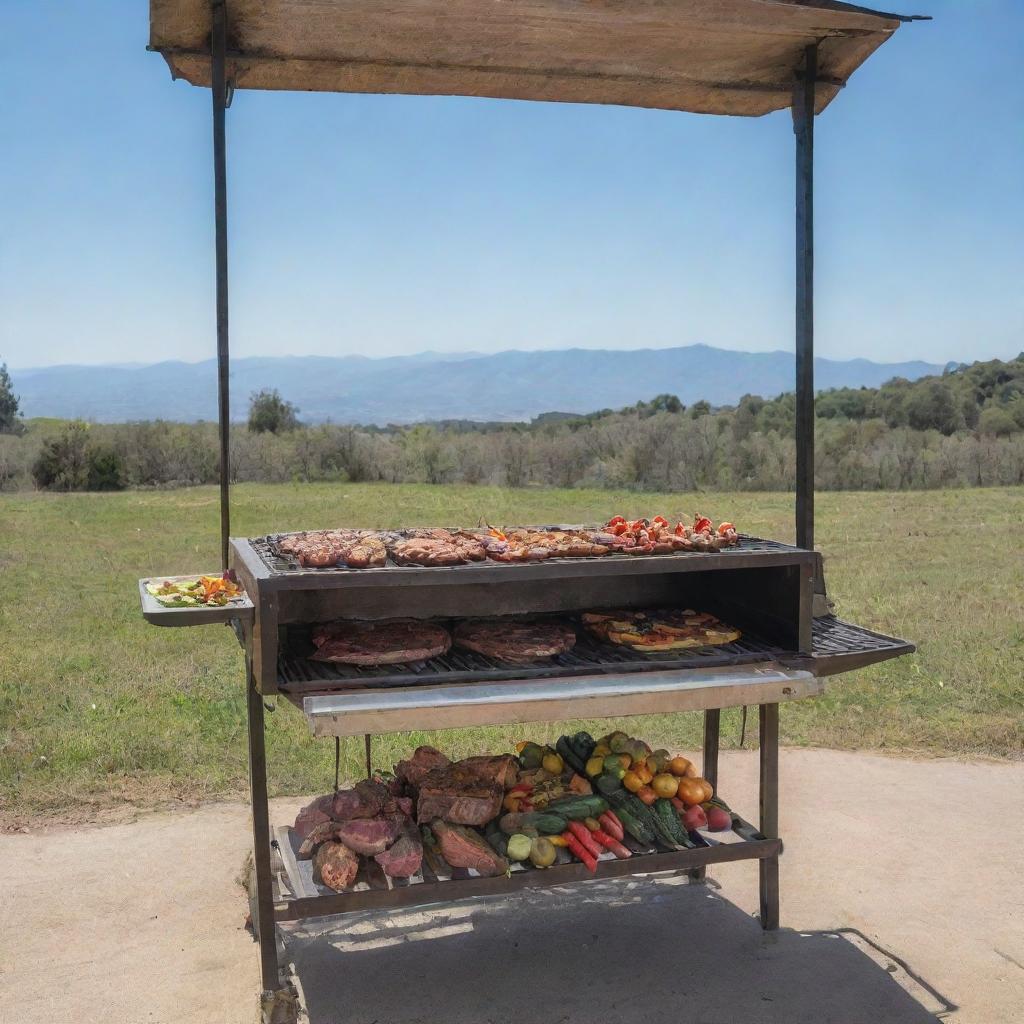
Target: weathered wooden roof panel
{"points": [[705, 56]]}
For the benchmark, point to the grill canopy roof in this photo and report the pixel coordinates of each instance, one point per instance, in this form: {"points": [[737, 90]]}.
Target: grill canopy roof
{"points": [[704, 56]]}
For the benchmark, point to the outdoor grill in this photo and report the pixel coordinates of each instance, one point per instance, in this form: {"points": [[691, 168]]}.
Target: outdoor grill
{"points": [[739, 57]]}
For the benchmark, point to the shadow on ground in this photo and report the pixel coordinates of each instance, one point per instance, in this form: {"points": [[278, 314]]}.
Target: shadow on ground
{"points": [[601, 953]]}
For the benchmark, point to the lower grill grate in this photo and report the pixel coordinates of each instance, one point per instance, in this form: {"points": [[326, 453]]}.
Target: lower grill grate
{"points": [[588, 657], [837, 646]]}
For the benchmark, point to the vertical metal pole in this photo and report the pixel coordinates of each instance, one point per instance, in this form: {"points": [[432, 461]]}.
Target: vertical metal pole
{"points": [[712, 720], [264, 925], [769, 763], [803, 127], [218, 45], [712, 724]]}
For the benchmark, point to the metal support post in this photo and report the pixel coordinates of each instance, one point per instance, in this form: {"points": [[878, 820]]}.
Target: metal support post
{"points": [[218, 45], [769, 825], [803, 127], [712, 723], [263, 922]]}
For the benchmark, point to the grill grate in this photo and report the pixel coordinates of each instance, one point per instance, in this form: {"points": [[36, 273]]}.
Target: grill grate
{"points": [[832, 637], [833, 640], [279, 565], [588, 657]]}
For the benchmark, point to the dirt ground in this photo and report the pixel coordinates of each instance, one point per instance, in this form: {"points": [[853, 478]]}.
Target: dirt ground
{"points": [[902, 891]]}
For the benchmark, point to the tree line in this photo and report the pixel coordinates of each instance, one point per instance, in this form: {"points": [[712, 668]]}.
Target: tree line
{"points": [[963, 428]]}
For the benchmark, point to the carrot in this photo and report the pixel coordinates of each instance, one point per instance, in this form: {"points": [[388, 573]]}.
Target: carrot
{"points": [[612, 826], [579, 852], [612, 844], [583, 834]]}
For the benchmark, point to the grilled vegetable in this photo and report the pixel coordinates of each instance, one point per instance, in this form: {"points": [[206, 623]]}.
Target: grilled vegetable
{"points": [[583, 745], [569, 756], [607, 784], [497, 839], [578, 807], [542, 853], [583, 835], [669, 818], [519, 847], [534, 822], [611, 844], [530, 756], [580, 852], [634, 823]]}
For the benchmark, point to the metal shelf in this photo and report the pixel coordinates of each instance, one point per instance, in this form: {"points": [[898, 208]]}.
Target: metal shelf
{"points": [[298, 896], [402, 709]]}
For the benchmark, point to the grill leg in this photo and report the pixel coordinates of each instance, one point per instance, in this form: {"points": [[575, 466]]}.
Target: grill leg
{"points": [[264, 925], [768, 719], [712, 720]]}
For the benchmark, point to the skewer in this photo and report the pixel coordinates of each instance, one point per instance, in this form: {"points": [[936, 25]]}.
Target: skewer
{"points": [[369, 765], [337, 761]]}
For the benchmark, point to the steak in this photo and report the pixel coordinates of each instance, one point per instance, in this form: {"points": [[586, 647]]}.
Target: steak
{"points": [[403, 858], [500, 768], [423, 760], [335, 865], [369, 836], [514, 640], [317, 835], [316, 813], [391, 642], [366, 800], [464, 848], [462, 793]]}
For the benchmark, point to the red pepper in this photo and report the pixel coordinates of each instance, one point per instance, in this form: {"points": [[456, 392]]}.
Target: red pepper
{"points": [[661, 520], [615, 520], [612, 844], [620, 528], [680, 530], [701, 524], [583, 834], [724, 528], [579, 852]]}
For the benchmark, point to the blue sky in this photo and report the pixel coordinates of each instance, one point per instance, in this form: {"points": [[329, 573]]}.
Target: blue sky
{"points": [[385, 225]]}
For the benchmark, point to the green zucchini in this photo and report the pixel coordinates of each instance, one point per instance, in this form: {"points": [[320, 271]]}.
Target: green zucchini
{"points": [[542, 822], [668, 816], [577, 808], [637, 827]]}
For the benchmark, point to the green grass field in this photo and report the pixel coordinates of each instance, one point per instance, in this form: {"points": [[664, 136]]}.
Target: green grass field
{"points": [[98, 708]]}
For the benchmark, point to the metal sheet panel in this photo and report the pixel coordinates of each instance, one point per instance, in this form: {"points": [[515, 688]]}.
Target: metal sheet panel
{"points": [[720, 57], [546, 700]]}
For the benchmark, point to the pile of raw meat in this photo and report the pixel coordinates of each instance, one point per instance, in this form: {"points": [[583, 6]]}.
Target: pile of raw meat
{"points": [[380, 818]]}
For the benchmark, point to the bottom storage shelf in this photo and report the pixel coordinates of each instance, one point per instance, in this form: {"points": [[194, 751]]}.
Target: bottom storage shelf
{"points": [[297, 896]]}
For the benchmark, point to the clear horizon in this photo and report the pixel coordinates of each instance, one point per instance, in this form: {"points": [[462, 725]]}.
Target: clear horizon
{"points": [[383, 225], [455, 352]]}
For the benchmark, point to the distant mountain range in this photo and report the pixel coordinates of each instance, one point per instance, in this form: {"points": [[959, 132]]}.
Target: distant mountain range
{"points": [[504, 386]]}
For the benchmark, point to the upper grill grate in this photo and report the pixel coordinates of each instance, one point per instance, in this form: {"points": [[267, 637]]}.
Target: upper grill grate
{"points": [[282, 566]]}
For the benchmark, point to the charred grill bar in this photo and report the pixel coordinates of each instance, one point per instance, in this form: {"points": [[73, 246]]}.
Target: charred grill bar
{"points": [[739, 57]]}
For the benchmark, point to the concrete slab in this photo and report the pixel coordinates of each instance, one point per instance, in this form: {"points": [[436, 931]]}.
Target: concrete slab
{"points": [[902, 898]]}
